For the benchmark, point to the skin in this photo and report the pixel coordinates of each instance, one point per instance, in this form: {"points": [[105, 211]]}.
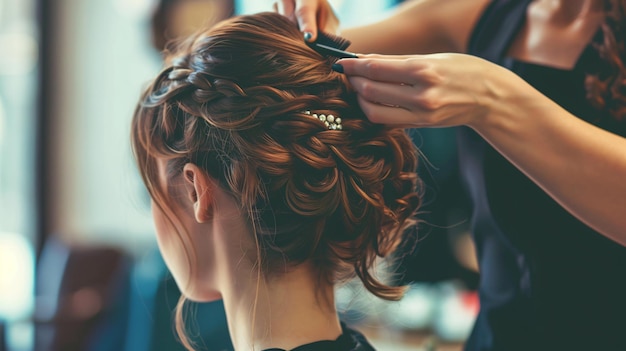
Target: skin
{"points": [[581, 166], [262, 312]]}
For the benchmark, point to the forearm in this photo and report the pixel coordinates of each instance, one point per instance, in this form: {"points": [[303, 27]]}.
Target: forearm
{"points": [[402, 32], [418, 27], [581, 166]]}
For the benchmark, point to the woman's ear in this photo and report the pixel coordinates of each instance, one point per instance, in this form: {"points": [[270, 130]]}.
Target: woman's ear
{"points": [[199, 191]]}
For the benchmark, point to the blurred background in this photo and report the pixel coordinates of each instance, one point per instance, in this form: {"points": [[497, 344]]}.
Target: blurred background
{"points": [[79, 267]]}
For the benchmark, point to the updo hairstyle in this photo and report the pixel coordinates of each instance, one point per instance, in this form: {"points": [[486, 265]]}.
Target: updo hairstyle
{"points": [[232, 100]]}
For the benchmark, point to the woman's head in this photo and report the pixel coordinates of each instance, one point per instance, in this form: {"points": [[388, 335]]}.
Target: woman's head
{"points": [[231, 105]]}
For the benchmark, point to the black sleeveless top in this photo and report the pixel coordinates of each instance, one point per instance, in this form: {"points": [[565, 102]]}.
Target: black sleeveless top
{"points": [[349, 340], [548, 282]]}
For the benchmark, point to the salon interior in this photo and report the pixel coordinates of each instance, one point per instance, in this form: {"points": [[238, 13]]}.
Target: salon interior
{"points": [[79, 264]]}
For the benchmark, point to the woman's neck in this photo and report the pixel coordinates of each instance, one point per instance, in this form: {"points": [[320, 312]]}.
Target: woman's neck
{"points": [[285, 312]]}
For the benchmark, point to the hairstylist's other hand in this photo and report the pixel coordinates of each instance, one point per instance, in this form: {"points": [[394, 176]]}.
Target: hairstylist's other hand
{"points": [[311, 15], [437, 90]]}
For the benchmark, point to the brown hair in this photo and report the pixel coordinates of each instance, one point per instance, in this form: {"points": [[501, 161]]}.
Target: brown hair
{"points": [[606, 89], [232, 101]]}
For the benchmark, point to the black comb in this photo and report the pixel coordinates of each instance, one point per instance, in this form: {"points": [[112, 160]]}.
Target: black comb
{"points": [[331, 45]]}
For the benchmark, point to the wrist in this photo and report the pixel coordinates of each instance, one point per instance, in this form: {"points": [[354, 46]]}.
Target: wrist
{"points": [[505, 103]]}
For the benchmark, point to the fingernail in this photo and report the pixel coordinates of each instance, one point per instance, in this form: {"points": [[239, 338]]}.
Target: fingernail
{"points": [[337, 67], [308, 36]]}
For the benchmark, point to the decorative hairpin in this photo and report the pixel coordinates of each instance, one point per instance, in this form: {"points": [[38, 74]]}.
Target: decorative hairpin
{"points": [[332, 122]]}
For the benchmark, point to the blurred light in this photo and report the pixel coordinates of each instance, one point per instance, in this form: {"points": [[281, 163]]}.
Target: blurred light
{"points": [[457, 313], [19, 53], [136, 9], [1, 121], [350, 12], [415, 311], [16, 276], [245, 7], [20, 336]]}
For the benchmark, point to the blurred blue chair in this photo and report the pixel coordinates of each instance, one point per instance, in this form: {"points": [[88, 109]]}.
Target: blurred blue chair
{"points": [[75, 291], [143, 319]]}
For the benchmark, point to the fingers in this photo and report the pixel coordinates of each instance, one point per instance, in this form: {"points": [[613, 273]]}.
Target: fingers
{"points": [[311, 16], [285, 8], [387, 57], [390, 94], [385, 69], [392, 90], [306, 14], [392, 116]]}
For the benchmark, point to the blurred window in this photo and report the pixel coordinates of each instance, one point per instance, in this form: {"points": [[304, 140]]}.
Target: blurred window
{"points": [[350, 12], [18, 63], [18, 93], [104, 59]]}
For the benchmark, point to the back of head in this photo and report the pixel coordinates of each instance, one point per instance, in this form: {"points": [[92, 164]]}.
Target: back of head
{"points": [[232, 100]]}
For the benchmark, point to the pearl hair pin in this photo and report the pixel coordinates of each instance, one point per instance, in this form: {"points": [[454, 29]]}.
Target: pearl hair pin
{"points": [[332, 122]]}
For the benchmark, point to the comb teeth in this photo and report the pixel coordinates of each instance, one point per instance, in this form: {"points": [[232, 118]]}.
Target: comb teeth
{"points": [[331, 46], [333, 41]]}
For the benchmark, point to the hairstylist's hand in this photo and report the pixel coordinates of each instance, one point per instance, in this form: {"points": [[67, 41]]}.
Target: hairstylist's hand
{"points": [[435, 90], [311, 15]]}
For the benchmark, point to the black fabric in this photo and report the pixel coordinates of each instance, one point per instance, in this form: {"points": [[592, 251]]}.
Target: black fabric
{"points": [[349, 340], [548, 282]]}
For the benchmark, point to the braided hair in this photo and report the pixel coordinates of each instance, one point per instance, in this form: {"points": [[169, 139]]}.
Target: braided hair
{"points": [[232, 100]]}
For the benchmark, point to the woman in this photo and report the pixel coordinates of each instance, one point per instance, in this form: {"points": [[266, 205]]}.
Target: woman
{"points": [[544, 157], [269, 185]]}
